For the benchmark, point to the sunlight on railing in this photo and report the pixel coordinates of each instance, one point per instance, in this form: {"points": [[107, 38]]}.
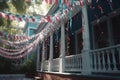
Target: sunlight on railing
{"points": [[55, 63], [73, 63]]}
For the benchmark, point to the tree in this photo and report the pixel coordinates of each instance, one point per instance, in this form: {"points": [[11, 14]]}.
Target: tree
{"points": [[3, 5]]}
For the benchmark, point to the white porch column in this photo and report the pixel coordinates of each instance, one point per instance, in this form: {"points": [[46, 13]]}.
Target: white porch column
{"points": [[43, 56], [62, 48], [86, 41], [38, 57], [51, 53]]}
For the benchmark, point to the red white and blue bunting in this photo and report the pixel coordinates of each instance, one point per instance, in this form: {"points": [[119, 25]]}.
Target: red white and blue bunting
{"points": [[22, 51]]}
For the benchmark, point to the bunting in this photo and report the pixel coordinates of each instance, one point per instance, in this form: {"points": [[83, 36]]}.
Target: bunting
{"points": [[30, 43]]}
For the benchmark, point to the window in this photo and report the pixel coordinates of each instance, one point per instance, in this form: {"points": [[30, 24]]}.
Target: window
{"points": [[116, 29], [79, 41], [100, 35], [106, 32]]}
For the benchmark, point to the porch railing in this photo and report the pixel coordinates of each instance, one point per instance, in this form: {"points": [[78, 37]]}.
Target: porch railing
{"points": [[106, 59], [73, 63], [45, 63], [55, 64]]}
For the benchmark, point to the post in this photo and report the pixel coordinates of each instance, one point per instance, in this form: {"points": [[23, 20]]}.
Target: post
{"points": [[62, 49], [51, 53], [38, 58], [86, 41], [43, 56]]}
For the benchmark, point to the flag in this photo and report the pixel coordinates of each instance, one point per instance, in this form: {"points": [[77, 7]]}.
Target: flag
{"points": [[56, 2], [49, 18], [0, 14]]}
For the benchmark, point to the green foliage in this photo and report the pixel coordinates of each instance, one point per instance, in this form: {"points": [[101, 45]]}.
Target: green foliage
{"points": [[5, 66], [4, 22], [39, 1], [19, 5], [3, 5], [30, 65]]}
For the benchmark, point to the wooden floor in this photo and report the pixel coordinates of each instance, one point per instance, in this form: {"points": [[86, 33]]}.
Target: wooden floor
{"points": [[52, 76]]}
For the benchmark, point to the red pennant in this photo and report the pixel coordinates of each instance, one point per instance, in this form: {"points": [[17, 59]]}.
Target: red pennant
{"points": [[33, 19], [7, 16], [82, 29], [0, 33], [43, 19], [50, 1], [81, 2], [56, 2], [46, 1], [0, 14], [20, 19], [13, 18], [100, 9], [89, 2], [49, 18], [9, 36], [65, 1], [27, 19], [28, 0], [15, 38]]}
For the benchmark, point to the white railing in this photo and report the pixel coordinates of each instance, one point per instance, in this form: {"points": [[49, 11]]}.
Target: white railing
{"points": [[45, 63], [55, 64], [73, 63], [106, 59]]}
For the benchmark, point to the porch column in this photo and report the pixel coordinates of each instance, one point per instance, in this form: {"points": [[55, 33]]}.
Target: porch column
{"points": [[62, 48], [51, 53], [43, 56], [110, 32], [38, 57], [86, 40]]}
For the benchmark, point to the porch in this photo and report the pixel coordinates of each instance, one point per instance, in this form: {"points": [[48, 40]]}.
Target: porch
{"points": [[104, 63]]}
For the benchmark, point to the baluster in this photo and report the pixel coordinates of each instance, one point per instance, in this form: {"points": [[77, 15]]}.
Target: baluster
{"points": [[95, 62], [81, 64], [119, 54], [70, 65], [91, 58], [77, 60], [114, 60], [108, 60], [67, 62], [103, 61], [99, 63], [74, 63]]}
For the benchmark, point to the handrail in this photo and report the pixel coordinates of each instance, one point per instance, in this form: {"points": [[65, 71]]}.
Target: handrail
{"points": [[110, 47]]}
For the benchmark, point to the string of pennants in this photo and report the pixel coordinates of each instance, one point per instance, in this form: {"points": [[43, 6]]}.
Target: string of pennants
{"points": [[27, 18], [10, 16], [27, 48], [19, 52], [65, 3], [13, 37]]}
